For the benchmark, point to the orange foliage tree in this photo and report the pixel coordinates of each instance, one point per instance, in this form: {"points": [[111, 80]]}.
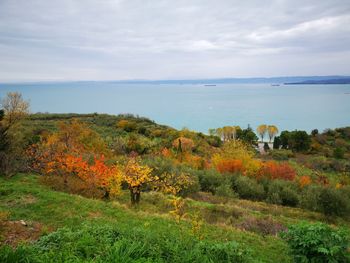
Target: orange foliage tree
{"points": [[67, 152], [183, 144], [95, 173], [229, 166], [274, 170], [304, 181], [231, 152]]}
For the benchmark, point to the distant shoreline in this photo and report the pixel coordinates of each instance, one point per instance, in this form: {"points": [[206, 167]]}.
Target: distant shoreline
{"points": [[326, 81], [287, 80]]}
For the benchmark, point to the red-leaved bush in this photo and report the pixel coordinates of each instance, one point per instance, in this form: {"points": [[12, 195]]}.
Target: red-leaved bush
{"points": [[229, 166], [274, 170]]}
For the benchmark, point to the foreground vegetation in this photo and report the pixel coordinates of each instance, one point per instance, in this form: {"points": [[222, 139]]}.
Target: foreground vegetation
{"points": [[122, 188], [115, 232]]}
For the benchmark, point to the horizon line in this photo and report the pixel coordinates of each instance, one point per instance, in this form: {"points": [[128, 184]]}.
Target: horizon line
{"points": [[174, 79]]}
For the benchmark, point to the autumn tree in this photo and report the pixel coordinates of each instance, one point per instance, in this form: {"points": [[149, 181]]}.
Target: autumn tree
{"points": [[98, 174], [225, 133], [261, 130], [137, 176], [3, 139], [76, 150], [220, 133], [233, 151], [183, 144], [173, 183], [73, 139], [212, 132], [14, 109], [272, 131]]}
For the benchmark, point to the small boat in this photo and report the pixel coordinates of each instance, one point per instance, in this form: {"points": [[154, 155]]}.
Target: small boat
{"points": [[209, 85], [275, 85]]}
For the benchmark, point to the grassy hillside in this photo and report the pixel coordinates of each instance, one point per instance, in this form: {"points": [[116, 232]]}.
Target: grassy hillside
{"points": [[44, 209], [46, 212], [103, 188]]}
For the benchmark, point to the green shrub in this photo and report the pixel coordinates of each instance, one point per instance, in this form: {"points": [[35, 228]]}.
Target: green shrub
{"points": [[338, 153], [282, 154], [333, 203], [345, 191], [248, 188], [318, 163], [210, 180], [310, 196], [282, 193], [225, 190], [317, 243]]}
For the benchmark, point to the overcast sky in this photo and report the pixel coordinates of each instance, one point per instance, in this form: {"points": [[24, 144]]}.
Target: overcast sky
{"points": [[172, 39]]}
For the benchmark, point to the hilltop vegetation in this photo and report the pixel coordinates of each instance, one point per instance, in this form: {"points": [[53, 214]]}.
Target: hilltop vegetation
{"points": [[133, 190]]}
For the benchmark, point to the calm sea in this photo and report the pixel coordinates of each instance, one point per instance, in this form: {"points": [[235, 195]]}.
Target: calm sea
{"points": [[198, 107]]}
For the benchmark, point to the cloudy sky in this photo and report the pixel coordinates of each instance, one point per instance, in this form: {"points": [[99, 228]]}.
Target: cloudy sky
{"points": [[172, 39]]}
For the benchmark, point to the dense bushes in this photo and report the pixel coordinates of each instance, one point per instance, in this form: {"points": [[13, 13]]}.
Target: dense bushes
{"points": [[110, 244], [332, 203], [248, 188], [210, 180], [273, 170], [229, 166], [225, 190], [317, 243], [310, 196], [327, 200], [324, 164], [282, 154], [298, 141], [282, 193]]}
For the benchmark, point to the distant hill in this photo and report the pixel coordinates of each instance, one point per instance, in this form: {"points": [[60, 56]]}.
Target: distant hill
{"points": [[293, 79], [322, 81]]}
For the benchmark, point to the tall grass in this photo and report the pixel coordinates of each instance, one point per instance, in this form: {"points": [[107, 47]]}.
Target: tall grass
{"points": [[109, 243]]}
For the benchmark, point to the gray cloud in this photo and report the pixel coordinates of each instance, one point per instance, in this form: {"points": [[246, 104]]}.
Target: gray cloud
{"points": [[106, 39]]}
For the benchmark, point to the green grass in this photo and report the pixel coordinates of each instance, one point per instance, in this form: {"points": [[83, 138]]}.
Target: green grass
{"points": [[25, 198], [56, 210]]}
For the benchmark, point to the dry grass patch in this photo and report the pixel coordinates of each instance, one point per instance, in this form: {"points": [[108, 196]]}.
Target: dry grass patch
{"points": [[16, 232]]}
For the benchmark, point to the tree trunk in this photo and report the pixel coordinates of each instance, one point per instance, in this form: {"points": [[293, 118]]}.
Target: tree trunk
{"points": [[106, 195], [65, 181], [135, 195]]}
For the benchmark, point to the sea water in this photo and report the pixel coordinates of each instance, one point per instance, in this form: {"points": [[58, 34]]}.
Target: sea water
{"points": [[197, 107]]}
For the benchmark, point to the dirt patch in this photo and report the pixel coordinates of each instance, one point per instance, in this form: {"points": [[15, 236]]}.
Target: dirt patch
{"points": [[263, 226], [208, 198], [16, 232], [28, 199], [94, 214]]}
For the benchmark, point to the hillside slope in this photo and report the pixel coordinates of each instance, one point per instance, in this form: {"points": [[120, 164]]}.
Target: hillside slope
{"points": [[36, 204]]}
